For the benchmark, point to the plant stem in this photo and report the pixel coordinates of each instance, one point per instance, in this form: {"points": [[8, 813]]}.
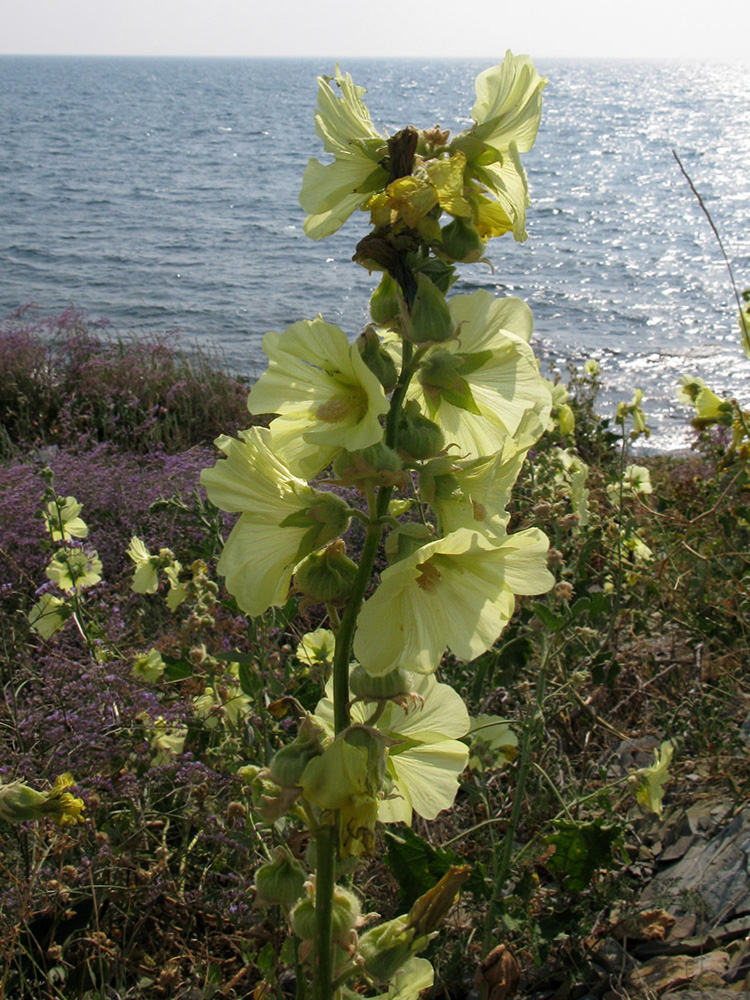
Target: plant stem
{"points": [[323, 987], [324, 882], [527, 748]]}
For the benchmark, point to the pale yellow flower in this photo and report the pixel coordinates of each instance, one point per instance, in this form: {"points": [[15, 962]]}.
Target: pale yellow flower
{"points": [[507, 113], [62, 519], [282, 521], [332, 192], [324, 393], [479, 388], [424, 757], [48, 615], [457, 591], [149, 666], [73, 568], [145, 579]]}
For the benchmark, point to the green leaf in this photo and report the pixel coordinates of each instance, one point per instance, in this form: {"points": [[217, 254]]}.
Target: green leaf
{"points": [[417, 866], [547, 617], [581, 849], [248, 683], [265, 960], [178, 667], [579, 607], [235, 657]]}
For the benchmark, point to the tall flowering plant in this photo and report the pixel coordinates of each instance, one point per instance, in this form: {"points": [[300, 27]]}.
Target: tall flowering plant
{"points": [[432, 410]]}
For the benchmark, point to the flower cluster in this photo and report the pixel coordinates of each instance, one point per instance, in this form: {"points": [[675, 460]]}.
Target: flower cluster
{"points": [[439, 399]]}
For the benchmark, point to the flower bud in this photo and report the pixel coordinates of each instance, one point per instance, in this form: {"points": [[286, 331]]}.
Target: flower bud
{"points": [[287, 764], [419, 437], [385, 303], [281, 881], [346, 916], [461, 241], [377, 359], [377, 465], [396, 684], [437, 481], [386, 948], [326, 577], [430, 320], [404, 541]]}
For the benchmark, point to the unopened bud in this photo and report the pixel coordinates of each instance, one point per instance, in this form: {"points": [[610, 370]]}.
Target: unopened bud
{"points": [[430, 320], [287, 764], [385, 303], [404, 540], [281, 881], [460, 241], [326, 577], [377, 359], [419, 437]]}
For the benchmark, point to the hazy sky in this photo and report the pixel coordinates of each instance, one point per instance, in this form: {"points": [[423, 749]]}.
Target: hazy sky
{"points": [[685, 29]]}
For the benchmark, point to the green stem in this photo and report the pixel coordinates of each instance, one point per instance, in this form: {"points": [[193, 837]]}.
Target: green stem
{"points": [[506, 858], [324, 882], [323, 986]]}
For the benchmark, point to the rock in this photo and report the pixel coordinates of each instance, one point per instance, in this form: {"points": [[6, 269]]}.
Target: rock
{"points": [[676, 850], [712, 879], [667, 972]]}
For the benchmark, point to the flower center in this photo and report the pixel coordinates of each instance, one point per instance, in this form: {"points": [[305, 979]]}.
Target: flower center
{"points": [[351, 407], [429, 577]]}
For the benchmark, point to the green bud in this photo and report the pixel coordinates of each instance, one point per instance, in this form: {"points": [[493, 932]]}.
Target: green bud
{"points": [[385, 303], [377, 465], [404, 541], [437, 481], [326, 577], [288, 764], [377, 359], [346, 916], [281, 881], [326, 518], [396, 684], [430, 320], [461, 241], [419, 437], [386, 948], [441, 376]]}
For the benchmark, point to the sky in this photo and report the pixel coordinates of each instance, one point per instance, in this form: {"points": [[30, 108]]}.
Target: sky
{"points": [[652, 29]]}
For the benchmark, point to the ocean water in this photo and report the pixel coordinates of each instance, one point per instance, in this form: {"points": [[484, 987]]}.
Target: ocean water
{"points": [[162, 194]]}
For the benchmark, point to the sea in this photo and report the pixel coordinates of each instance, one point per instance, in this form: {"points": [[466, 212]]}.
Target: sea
{"points": [[162, 195]]}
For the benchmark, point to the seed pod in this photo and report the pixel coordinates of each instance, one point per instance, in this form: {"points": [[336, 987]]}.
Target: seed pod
{"points": [[281, 881], [287, 764], [460, 241], [430, 320], [326, 577], [368, 688]]}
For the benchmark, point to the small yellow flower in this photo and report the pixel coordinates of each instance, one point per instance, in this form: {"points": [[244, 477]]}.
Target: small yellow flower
{"points": [[20, 802], [62, 519], [73, 568], [145, 580], [48, 615]]}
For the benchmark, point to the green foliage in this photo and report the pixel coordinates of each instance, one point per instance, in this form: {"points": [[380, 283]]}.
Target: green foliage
{"points": [[581, 849], [417, 866]]}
